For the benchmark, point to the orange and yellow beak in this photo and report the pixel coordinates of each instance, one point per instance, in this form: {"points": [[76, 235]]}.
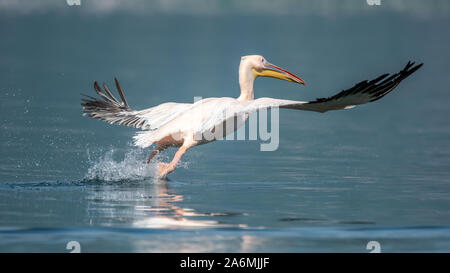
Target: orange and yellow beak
{"points": [[274, 71]]}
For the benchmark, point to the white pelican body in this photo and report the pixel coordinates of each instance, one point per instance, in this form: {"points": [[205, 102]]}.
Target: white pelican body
{"points": [[196, 119], [186, 125]]}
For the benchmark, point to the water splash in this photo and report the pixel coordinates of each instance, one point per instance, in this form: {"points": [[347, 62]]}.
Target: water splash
{"points": [[131, 167]]}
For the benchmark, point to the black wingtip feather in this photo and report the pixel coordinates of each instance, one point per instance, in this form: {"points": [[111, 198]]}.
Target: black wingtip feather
{"points": [[109, 109], [119, 89], [97, 87], [109, 93], [377, 88]]}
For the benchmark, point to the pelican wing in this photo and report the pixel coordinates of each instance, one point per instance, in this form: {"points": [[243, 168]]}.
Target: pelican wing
{"points": [[361, 93], [111, 110], [221, 109], [159, 115]]}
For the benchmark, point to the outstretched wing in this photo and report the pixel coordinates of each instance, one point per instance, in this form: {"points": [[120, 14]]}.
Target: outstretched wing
{"points": [[111, 110], [361, 93]]}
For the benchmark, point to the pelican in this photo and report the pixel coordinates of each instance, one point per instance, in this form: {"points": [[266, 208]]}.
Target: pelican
{"points": [[179, 124]]}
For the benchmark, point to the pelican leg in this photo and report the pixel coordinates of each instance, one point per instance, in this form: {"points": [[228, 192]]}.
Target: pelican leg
{"points": [[157, 150], [166, 168]]}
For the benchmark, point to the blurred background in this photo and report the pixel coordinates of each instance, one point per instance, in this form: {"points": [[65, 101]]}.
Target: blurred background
{"points": [[338, 180]]}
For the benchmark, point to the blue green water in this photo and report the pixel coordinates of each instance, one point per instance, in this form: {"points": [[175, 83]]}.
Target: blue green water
{"points": [[378, 172]]}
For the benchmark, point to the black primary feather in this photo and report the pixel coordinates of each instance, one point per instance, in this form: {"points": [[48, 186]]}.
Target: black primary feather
{"points": [[377, 88], [111, 110]]}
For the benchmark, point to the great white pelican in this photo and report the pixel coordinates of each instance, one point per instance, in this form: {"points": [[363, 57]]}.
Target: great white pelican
{"points": [[179, 124]]}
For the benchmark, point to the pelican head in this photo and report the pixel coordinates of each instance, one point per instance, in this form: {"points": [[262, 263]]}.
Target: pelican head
{"points": [[254, 66], [260, 67]]}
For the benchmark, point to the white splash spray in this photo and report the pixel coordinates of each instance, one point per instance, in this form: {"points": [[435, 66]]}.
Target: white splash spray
{"points": [[131, 167]]}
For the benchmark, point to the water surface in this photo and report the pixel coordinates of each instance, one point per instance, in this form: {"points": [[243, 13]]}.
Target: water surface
{"points": [[337, 181]]}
